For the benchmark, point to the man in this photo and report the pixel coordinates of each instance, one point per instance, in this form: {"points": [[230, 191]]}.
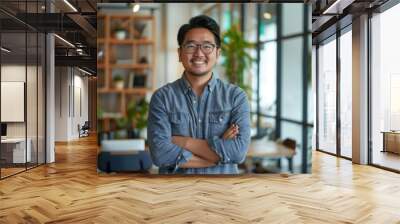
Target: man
{"points": [[194, 122]]}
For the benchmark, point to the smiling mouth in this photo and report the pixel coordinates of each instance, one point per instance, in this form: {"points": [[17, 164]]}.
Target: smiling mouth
{"points": [[198, 62]]}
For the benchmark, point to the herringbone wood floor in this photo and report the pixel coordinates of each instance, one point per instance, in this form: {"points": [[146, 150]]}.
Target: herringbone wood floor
{"points": [[71, 191]]}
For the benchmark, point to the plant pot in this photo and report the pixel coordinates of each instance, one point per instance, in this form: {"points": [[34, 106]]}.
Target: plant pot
{"points": [[134, 133], [143, 133], [119, 84], [120, 34], [120, 134]]}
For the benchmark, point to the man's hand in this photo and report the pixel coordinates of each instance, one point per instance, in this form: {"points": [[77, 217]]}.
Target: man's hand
{"points": [[180, 141], [197, 162], [231, 132]]}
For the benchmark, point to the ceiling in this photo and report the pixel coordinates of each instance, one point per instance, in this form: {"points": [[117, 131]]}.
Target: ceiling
{"points": [[79, 27], [329, 15], [76, 24]]}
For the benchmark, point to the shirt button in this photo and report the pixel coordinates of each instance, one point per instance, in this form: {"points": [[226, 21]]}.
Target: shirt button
{"points": [[194, 101], [200, 120]]}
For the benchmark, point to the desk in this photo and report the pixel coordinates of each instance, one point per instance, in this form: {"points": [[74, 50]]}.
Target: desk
{"points": [[17, 148], [272, 150], [391, 141]]}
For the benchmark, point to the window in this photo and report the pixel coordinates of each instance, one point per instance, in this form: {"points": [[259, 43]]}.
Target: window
{"points": [[327, 96], [385, 87], [346, 94]]}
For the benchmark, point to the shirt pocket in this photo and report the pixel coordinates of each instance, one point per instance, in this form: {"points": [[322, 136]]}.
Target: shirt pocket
{"points": [[179, 123], [218, 122]]}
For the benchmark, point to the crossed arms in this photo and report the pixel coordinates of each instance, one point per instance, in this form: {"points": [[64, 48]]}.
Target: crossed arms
{"points": [[203, 155], [187, 152]]}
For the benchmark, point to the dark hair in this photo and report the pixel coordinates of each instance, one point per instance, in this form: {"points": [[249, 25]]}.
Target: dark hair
{"points": [[201, 21]]}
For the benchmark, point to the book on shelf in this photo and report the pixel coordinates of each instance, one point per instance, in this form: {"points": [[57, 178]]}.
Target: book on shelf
{"points": [[139, 80]]}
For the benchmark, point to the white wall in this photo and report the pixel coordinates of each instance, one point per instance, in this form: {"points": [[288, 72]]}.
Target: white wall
{"points": [[70, 83], [17, 73], [61, 103], [80, 93], [170, 68]]}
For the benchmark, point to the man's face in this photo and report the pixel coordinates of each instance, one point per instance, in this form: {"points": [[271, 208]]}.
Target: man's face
{"points": [[196, 60]]}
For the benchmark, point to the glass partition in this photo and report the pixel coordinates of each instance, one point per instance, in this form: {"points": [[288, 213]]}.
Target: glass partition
{"points": [[14, 154], [22, 90]]}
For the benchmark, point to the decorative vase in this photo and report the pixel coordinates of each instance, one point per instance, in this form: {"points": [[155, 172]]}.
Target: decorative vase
{"points": [[139, 29], [120, 34], [119, 84]]}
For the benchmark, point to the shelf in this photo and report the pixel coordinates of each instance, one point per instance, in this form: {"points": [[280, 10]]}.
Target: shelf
{"points": [[118, 41], [125, 56], [116, 16], [131, 66], [143, 41], [138, 90]]}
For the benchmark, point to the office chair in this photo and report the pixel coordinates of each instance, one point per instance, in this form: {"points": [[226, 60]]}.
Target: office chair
{"points": [[84, 130]]}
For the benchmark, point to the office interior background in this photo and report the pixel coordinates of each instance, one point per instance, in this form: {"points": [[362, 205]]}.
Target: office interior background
{"points": [[358, 84], [51, 67], [52, 88], [39, 108]]}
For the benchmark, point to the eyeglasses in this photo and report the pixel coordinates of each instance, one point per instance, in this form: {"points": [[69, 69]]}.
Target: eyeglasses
{"points": [[206, 48]]}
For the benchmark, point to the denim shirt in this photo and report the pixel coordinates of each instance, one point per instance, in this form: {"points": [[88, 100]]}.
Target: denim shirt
{"points": [[175, 110]]}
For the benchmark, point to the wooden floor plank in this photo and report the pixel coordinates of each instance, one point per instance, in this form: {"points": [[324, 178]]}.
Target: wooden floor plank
{"points": [[71, 191]]}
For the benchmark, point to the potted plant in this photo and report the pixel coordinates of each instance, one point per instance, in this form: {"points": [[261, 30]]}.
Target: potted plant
{"points": [[120, 32], [122, 125], [137, 115], [237, 59], [118, 82]]}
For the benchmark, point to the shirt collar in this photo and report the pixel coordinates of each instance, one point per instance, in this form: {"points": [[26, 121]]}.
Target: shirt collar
{"points": [[186, 85]]}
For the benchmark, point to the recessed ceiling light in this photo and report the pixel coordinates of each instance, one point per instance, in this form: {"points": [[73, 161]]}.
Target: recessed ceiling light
{"points": [[64, 40], [5, 49], [86, 72], [70, 5], [334, 8]]}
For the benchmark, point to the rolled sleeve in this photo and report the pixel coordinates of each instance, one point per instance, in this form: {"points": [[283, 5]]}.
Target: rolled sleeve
{"points": [[235, 150], [163, 152], [183, 158]]}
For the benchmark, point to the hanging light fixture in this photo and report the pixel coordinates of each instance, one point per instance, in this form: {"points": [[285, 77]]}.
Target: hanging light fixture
{"points": [[136, 7], [267, 15]]}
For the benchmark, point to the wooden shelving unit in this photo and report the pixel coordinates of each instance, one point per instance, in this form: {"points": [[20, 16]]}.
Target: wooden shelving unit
{"points": [[132, 57]]}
